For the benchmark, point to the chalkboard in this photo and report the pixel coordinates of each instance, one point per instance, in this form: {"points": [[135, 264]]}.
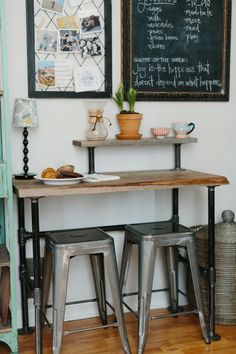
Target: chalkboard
{"points": [[177, 49]]}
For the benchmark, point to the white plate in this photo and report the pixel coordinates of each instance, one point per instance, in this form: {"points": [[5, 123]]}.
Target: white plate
{"points": [[59, 181]]}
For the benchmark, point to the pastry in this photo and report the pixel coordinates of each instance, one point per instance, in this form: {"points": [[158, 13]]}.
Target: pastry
{"points": [[68, 174], [66, 168], [66, 171], [49, 173]]}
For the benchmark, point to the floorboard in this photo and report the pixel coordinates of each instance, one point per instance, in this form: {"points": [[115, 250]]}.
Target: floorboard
{"points": [[170, 335]]}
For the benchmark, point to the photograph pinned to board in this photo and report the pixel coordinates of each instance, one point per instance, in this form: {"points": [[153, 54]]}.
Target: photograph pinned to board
{"points": [[46, 41], [69, 40], [90, 47], [67, 22], [54, 35], [90, 21], [46, 73], [56, 6], [55, 73], [64, 74], [87, 79]]}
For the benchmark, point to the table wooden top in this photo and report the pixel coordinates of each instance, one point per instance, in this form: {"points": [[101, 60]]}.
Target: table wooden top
{"points": [[129, 181]]}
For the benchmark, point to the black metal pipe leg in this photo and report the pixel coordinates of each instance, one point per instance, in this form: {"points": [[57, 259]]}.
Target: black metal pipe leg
{"points": [[175, 205], [171, 255], [37, 275], [177, 148], [23, 268], [91, 153], [211, 262]]}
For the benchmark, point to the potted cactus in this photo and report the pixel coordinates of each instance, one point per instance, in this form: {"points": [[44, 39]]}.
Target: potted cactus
{"points": [[129, 121]]}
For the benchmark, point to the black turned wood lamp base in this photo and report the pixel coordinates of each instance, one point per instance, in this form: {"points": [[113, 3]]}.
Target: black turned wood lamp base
{"points": [[25, 176]]}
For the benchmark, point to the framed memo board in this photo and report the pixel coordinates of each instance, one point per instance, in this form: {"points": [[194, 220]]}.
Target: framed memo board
{"points": [[69, 48], [177, 50]]}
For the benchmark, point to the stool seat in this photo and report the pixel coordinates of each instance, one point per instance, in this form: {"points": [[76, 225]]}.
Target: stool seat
{"points": [[162, 233], [77, 236], [60, 246], [158, 228], [148, 237]]}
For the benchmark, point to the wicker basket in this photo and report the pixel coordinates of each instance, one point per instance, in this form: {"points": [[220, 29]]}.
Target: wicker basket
{"points": [[225, 262]]}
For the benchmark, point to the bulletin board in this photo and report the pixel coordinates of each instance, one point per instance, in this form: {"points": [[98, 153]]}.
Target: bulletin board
{"points": [[69, 48], [177, 50]]}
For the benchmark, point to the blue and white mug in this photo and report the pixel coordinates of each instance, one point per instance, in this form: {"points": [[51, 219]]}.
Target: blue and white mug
{"points": [[182, 129]]}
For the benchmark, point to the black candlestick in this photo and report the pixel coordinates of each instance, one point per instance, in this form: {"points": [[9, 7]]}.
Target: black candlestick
{"points": [[25, 175]]}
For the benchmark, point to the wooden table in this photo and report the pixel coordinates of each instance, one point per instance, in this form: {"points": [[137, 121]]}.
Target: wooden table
{"points": [[129, 181]]}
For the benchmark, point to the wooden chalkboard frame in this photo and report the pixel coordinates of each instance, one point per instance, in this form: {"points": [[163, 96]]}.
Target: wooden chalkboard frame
{"points": [[33, 91], [188, 95]]}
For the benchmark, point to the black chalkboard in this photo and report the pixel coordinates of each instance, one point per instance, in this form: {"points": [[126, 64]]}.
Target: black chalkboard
{"points": [[177, 49]]}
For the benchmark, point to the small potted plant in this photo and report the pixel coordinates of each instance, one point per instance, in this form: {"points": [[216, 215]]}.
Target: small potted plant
{"points": [[129, 121]]}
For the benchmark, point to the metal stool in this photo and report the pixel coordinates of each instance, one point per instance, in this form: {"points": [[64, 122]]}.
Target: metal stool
{"points": [[148, 237], [59, 248]]}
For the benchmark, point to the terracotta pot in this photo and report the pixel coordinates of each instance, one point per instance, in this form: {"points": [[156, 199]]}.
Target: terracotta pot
{"points": [[129, 125]]}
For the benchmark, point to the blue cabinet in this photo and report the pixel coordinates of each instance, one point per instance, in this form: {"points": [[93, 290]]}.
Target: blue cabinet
{"points": [[3, 186], [8, 326]]}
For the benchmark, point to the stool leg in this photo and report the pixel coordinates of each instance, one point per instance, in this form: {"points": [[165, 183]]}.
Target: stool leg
{"points": [[112, 273], [97, 263], [47, 275], [147, 256], [61, 262], [127, 249], [172, 267], [192, 252]]}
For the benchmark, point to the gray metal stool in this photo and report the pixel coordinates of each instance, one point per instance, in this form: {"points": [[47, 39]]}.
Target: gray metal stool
{"points": [[59, 248], [148, 237]]}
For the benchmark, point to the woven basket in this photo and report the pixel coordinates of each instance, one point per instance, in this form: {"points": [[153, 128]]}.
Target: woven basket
{"points": [[225, 262]]}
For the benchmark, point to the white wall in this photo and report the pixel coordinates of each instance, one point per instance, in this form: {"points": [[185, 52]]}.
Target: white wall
{"points": [[62, 120]]}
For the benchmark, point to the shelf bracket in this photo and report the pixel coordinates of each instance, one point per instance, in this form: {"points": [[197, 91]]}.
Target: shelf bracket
{"points": [[91, 153], [178, 157]]}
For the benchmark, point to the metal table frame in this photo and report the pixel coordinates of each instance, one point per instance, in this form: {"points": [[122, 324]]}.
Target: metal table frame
{"points": [[27, 285]]}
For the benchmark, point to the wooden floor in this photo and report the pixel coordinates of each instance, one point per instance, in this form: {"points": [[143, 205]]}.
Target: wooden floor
{"points": [[173, 335]]}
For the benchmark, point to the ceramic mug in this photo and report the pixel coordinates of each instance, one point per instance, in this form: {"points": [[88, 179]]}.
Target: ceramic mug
{"points": [[182, 129]]}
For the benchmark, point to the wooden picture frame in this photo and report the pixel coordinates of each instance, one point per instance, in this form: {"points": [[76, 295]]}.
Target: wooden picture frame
{"points": [[177, 50], [51, 71]]}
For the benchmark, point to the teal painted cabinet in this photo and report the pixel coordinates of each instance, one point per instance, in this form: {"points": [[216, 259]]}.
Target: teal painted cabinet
{"points": [[8, 326]]}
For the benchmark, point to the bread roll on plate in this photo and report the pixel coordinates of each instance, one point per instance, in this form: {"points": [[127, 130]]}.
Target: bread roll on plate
{"points": [[66, 168]]}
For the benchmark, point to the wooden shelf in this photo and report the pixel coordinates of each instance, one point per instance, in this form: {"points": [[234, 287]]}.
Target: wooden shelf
{"points": [[4, 257], [143, 141]]}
